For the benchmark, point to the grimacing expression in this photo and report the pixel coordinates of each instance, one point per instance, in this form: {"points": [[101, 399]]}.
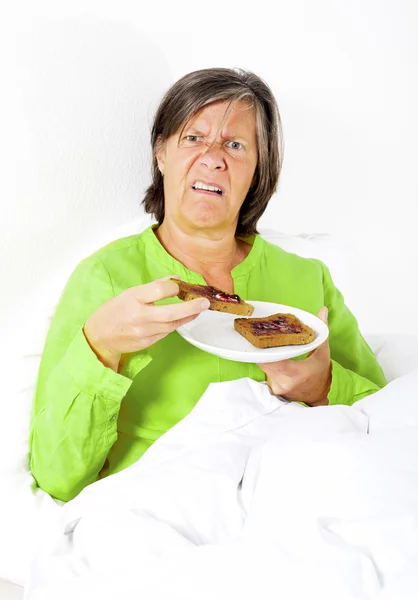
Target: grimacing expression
{"points": [[208, 172]]}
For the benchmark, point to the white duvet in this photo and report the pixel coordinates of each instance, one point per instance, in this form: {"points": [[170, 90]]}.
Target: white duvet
{"points": [[250, 496]]}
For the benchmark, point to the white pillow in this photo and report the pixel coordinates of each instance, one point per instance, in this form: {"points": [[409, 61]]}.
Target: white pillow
{"points": [[394, 407], [397, 354], [323, 246]]}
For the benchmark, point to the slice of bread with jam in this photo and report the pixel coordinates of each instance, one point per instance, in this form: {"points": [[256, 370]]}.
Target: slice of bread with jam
{"points": [[219, 300], [276, 330]]}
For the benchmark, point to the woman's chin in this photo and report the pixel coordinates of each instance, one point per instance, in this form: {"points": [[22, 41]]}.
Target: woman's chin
{"points": [[206, 218]]}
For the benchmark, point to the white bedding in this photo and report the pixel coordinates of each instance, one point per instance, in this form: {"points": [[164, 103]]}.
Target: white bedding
{"points": [[251, 496]]}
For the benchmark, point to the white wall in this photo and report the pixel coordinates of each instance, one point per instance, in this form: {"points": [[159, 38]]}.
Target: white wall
{"points": [[86, 77]]}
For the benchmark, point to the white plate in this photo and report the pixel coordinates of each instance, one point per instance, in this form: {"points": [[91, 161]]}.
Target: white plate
{"points": [[214, 332]]}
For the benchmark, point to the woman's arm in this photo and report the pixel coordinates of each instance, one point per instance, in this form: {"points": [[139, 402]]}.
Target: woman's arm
{"points": [[355, 370], [79, 391], [77, 400], [340, 371]]}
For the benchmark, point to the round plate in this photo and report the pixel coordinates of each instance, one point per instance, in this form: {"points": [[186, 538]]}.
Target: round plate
{"points": [[214, 332]]}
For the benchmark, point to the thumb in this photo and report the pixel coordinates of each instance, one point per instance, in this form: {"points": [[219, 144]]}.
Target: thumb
{"points": [[323, 315], [324, 347]]}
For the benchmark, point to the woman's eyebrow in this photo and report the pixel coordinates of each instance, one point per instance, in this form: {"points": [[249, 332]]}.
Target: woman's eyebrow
{"points": [[194, 131], [224, 134], [231, 136]]}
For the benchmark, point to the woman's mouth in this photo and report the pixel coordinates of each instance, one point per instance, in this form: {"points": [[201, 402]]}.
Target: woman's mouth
{"points": [[207, 189]]}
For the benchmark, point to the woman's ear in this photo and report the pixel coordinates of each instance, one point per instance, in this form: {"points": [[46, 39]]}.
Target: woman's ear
{"points": [[160, 153]]}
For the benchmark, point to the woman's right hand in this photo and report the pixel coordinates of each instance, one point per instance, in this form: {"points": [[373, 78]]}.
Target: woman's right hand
{"points": [[131, 322]]}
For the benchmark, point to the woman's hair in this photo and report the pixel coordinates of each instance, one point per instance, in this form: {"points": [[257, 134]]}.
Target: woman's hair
{"points": [[195, 90]]}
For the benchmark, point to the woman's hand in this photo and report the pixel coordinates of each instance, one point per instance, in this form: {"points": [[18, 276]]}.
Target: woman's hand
{"points": [[308, 380], [131, 322]]}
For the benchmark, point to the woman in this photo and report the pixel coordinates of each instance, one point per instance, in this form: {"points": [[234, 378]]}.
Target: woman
{"points": [[115, 375]]}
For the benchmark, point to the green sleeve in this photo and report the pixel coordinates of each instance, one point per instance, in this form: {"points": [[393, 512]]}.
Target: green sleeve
{"points": [[77, 400], [355, 370]]}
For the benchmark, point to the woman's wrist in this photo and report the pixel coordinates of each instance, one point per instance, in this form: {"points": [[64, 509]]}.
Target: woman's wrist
{"points": [[108, 358]]}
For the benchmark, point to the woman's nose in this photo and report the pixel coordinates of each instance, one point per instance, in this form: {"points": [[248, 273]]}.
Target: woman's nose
{"points": [[213, 158]]}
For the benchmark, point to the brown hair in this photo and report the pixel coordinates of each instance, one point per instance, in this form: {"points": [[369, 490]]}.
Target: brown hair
{"points": [[195, 90]]}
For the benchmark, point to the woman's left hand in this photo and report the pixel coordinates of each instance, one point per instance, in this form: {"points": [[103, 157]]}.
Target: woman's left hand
{"points": [[308, 380]]}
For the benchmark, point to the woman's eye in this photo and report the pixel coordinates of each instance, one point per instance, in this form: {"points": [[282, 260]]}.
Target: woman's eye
{"points": [[192, 138], [235, 145]]}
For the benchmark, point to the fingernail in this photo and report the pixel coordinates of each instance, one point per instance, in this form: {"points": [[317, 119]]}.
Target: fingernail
{"points": [[169, 277], [205, 303]]}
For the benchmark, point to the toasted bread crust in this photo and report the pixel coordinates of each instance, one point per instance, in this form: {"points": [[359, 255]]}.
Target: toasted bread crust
{"points": [[189, 291], [272, 338]]}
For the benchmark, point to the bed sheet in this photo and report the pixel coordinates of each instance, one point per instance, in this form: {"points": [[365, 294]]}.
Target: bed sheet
{"points": [[251, 495]]}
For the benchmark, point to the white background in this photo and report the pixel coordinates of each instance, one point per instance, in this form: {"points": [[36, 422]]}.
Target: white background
{"points": [[82, 81]]}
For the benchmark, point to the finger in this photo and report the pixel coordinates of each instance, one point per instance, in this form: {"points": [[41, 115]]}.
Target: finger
{"points": [[280, 385], [323, 349], [153, 333], [155, 290], [285, 367], [323, 315], [169, 313], [150, 320], [278, 390], [164, 328], [185, 321], [152, 339]]}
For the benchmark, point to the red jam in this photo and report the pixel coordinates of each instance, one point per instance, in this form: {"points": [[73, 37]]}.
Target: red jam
{"points": [[224, 297], [279, 325], [215, 294]]}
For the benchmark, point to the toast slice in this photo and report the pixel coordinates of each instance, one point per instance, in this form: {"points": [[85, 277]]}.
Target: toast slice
{"points": [[219, 300], [276, 330]]}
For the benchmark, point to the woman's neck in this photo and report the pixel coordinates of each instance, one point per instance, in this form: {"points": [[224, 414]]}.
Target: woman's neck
{"points": [[212, 254]]}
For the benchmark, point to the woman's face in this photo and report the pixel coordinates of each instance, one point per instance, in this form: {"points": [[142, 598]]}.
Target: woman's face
{"points": [[208, 172]]}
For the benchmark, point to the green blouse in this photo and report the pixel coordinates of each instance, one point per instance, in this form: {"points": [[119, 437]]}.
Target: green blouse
{"points": [[88, 421]]}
